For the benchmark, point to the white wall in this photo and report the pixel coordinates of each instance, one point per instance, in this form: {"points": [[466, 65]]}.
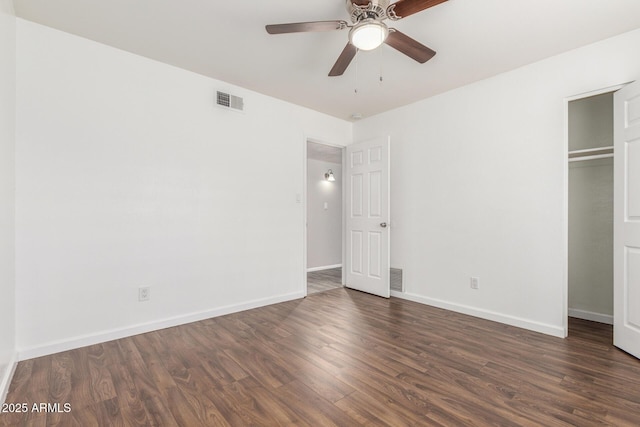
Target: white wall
{"points": [[129, 175], [7, 196], [478, 185], [324, 226]]}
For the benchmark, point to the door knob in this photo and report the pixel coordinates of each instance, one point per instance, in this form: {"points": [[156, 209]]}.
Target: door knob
{"points": [[383, 224]]}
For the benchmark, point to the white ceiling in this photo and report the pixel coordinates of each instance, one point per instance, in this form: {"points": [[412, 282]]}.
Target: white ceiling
{"points": [[226, 40]]}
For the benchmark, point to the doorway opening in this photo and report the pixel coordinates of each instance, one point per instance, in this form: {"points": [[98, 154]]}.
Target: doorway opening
{"points": [[324, 217], [590, 210]]}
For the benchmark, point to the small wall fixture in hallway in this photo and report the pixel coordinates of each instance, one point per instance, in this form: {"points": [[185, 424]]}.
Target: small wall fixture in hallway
{"points": [[329, 176]]}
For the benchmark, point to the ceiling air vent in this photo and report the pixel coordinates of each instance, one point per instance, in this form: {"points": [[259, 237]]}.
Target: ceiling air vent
{"points": [[229, 101]]}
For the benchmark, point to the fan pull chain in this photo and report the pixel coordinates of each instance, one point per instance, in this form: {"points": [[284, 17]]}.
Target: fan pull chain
{"points": [[355, 83], [381, 59]]}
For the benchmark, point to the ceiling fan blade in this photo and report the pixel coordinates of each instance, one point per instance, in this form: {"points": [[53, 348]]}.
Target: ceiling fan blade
{"points": [[344, 60], [403, 8], [303, 27], [409, 46]]}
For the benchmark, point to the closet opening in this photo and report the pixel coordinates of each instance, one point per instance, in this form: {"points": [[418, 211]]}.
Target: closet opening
{"points": [[590, 212], [324, 217]]}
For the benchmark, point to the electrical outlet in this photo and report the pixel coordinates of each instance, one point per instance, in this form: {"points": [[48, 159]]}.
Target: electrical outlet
{"points": [[475, 283], [144, 293]]}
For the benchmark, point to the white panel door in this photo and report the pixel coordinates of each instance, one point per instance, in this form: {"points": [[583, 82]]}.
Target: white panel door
{"points": [[626, 222], [367, 189]]}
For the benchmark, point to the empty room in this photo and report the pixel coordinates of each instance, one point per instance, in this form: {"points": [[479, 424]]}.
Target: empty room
{"points": [[320, 213]]}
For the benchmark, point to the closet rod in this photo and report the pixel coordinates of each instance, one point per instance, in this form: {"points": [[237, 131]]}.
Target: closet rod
{"points": [[591, 150], [590, 153], [597, 156]]}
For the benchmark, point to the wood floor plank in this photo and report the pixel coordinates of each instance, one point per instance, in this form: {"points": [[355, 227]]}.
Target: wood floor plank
{"points": [[137, 369], [192, 387], [310, 407], [181, 409], [131, 404], [371, 410], [324, 280], [158, 411], [268, 372], [159, 375], [257, 405], [101, 381], [338, 357], [323, 383]]}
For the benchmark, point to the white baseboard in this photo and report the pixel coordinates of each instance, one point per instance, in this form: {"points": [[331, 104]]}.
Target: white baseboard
{"points": [[5, 381], [556, 331], [324, 267], [590, 315], [114, 334]]}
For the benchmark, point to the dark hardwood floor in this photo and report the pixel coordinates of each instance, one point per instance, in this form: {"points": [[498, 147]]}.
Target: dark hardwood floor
{"points": [[324, 280], [339, 358]]}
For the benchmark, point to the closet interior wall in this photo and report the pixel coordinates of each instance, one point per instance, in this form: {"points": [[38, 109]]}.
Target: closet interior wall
{"points": [[591, 208]]}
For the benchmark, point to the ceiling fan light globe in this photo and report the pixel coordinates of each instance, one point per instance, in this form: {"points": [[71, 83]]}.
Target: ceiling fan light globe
{"points": [[368, 35]]}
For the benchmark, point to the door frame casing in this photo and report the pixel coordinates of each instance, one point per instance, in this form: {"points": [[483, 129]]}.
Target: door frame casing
{"points": [[304, 209], [565, 196]]}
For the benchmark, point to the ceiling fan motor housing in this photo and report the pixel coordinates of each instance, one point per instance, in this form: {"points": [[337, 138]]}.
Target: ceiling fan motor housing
{"points": [[374, 9]]}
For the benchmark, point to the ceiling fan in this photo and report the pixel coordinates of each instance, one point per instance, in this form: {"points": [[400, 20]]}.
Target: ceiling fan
{"points": [[368, 31]]}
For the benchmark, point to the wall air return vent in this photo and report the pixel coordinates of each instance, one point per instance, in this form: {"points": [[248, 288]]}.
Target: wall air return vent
{"points": [[229, 101]]}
